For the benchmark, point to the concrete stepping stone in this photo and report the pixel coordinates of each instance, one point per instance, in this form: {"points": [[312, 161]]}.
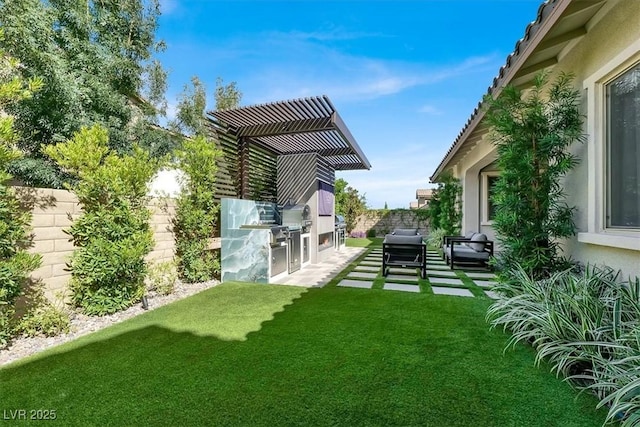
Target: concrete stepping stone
{"points": [[367, 268], [485, 283], [361, 275], [492, 295], [445, 281], [370, 259], [356, 284], [400, 287], [405, 271], [438, 266], [371, 263], [479, 275], [444, 273], [401, 277], [452, 291]]}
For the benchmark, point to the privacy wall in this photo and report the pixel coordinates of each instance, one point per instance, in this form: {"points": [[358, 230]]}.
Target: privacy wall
{"points": [[53, 212]]}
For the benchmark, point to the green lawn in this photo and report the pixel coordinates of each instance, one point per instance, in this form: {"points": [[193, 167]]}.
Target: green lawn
{"points": [[267, 355]]}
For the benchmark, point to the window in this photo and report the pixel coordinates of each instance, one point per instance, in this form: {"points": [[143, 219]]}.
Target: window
{"points": [[489, 180], [613, 152], [623, 150]]}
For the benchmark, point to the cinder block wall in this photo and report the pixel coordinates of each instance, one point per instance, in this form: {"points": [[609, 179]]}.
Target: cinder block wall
{"points": [[53, 212], [385, 222]]}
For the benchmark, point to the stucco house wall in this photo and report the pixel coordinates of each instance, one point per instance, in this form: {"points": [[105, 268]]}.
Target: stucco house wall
{"points": [[611, 42]]}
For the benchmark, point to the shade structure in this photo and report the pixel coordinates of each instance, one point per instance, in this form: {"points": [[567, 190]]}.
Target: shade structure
{"points": [[309, 125]]}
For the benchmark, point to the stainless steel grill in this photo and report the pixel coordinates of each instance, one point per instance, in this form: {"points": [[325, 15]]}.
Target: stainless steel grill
{"points": [[297, 217], [279, 234], [340, 231]]}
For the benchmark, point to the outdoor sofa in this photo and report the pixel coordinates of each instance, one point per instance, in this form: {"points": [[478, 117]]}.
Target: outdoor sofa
{"points": [[476, 249], [405, 232], [405, 252]]}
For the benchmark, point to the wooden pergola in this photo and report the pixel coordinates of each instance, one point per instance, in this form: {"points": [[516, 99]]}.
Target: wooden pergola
{"points": [[255, 136], [309, 125]]}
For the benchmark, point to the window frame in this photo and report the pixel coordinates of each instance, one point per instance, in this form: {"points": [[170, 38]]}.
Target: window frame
{"points": [[595, 88], [485, 220]]}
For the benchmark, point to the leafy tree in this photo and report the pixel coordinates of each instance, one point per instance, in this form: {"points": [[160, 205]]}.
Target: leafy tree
{"points": [[340, 195], [349, 202], [227, 96], [445, 207], [96, 59], [196, 208], [433, 211], [113, 235], [532, 133], [190, 119], [15, 262]]}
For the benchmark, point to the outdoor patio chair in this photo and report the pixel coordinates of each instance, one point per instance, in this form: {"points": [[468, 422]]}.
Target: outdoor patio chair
{"points": [[476, 250], [405, 252], [446, 241]]}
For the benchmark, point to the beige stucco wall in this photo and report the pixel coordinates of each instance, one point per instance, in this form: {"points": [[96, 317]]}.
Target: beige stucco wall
{"points": [[53, 212], [617, 28], [614, 29]]}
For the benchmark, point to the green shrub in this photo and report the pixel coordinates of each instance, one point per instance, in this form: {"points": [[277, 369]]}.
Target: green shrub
{"points": [[162, 277], [15, 262], [43, 318], [371, 232], [586, 324], [445, 207], [113, 234], [435, 238], [196, 210]]}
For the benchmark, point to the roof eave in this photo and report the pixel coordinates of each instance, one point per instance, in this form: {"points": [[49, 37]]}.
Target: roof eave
{"points": [[534, 33]]}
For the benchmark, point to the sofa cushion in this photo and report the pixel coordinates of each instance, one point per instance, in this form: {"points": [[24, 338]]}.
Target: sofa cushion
{"points": [[405, 232], [478, 237], [459, 250], [464, 253]]}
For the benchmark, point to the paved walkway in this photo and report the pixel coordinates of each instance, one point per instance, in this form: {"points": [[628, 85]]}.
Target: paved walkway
{"points": [[367, 274], [441, 279], [318, 275]]}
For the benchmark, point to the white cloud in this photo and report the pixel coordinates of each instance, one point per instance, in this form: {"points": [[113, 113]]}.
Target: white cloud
{"points": [[277, 65], [168, 6], [430, 109]]}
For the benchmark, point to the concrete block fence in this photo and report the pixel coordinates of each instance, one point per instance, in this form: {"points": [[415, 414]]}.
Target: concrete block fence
{"points": [[385, 221], [54, 211]]}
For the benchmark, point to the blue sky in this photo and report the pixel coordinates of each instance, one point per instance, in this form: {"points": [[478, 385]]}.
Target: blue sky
{"points": [[405, 75]]}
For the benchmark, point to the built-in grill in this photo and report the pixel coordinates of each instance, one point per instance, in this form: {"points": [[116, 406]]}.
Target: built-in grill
{"points": [[279, 234], [297, 217], [340, 222]]}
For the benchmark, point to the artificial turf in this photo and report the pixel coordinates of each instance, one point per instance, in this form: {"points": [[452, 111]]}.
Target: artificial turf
{"points": [[244, 354]]}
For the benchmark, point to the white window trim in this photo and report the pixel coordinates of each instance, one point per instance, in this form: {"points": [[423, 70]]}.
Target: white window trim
{"points": [[485, 196], [595, 85]]}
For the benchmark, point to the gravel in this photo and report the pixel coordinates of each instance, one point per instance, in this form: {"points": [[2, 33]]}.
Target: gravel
{"points": [[82, 324]]}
